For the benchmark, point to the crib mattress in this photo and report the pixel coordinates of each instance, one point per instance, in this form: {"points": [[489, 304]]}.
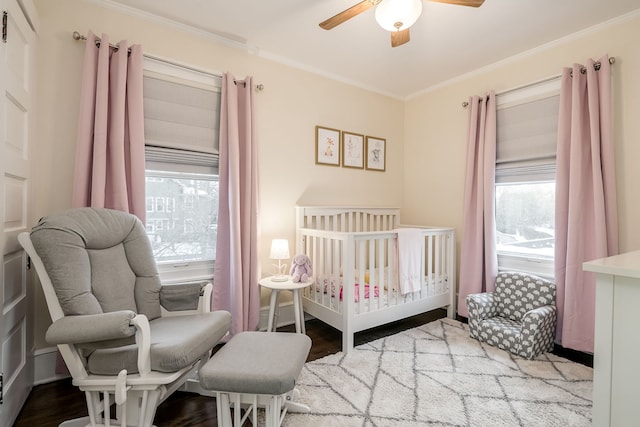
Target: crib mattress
{"points": [[374, 298]]}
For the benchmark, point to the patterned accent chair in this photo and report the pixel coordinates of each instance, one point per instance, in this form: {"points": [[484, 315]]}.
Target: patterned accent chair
{"points": [[519, 316]]}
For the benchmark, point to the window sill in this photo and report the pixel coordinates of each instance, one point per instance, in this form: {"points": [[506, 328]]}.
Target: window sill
{"points": [[187, 272], [543, 267]]}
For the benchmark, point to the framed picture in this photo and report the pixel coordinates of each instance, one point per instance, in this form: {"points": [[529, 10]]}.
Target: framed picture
{"points": [[352, 150], [327, 146], [376, 153]]}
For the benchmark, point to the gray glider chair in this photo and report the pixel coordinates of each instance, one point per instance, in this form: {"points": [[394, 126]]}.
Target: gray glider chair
{"points": [[124, 337], [520, 316]]}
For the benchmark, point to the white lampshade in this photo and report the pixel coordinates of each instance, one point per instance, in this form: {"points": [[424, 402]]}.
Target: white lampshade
{"points": [[279, 249], [403, 12]]}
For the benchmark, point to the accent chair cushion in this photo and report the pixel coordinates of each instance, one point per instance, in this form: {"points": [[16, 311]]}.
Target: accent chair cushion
{"points": [[502, 333], [516, 294]]}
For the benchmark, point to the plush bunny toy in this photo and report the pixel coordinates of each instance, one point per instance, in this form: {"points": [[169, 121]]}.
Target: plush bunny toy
{"points": [[300, 268]]}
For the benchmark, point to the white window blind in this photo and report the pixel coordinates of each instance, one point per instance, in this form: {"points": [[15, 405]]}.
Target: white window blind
{"points": [[181, 108], [527, 124], [174, 160]]}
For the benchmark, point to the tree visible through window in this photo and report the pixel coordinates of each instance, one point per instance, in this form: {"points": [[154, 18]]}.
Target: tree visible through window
{"points": [[525, 218], [194, 223]]}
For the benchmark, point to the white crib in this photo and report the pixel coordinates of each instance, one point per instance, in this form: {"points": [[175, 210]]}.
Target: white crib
{"points": [[346, 244]]}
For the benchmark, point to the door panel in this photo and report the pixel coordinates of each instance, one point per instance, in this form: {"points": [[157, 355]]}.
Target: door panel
{"points": [[16, 69]]}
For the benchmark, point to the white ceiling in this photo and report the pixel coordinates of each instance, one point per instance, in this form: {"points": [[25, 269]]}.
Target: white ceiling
{"points": [[447, 41]]}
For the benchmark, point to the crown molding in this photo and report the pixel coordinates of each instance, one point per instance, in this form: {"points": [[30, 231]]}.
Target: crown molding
{"points": [[223, 39], [613, 22]]}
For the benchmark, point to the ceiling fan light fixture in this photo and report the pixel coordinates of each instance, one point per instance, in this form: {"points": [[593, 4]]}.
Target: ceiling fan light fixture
{"points": [[398, 15]]}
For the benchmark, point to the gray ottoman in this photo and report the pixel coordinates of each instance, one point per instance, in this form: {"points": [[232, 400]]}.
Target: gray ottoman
{"points": [[256, 369]]}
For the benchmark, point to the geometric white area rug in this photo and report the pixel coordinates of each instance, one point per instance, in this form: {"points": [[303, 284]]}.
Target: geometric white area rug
{"points": [[437, 375]]}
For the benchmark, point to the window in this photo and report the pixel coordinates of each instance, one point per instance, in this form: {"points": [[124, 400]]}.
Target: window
{"points": [[527, 123], [181, 107]]}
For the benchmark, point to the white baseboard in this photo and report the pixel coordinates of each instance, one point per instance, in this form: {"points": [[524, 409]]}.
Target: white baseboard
{"points": [[44, 359], [44, 366]]}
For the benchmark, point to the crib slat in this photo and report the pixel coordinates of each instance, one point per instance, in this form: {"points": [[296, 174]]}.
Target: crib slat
{"points": [[380, 282], [437, 262], [358, 294], [391, 294], [337, 268], [325, 271], [373, 271], [430, 266]]}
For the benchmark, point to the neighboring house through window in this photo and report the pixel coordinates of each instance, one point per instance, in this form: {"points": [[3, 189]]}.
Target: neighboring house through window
{"points": [[181, 107], [527, 123]]}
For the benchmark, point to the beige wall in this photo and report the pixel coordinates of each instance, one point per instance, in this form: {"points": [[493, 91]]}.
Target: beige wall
{"points": [[292, 104], [425, 136], [435, 126]]}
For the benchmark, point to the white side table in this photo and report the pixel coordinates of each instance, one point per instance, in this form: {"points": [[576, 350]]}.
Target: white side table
{"points": [[287, 285]]}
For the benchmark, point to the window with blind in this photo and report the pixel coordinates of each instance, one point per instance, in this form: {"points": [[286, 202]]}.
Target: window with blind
{"points": [[181, 108], [527, 123]]}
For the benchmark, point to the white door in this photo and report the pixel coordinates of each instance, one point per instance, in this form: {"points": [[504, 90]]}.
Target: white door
{"points": [[16, 300]]}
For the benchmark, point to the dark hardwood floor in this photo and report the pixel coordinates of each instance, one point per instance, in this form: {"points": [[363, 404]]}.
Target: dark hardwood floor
{"points": [[50, 404]]}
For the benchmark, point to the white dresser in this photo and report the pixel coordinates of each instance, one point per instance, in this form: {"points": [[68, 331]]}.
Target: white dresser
{"points": [[616, 364]]}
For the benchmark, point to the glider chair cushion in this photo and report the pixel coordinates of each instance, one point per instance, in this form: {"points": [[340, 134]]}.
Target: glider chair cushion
{"points": [[519, 316], [172, 348], [119, 330], [99, 261]]}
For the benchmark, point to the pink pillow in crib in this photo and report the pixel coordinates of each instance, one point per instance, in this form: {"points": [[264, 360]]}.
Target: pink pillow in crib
{"points": [[376, 292]]}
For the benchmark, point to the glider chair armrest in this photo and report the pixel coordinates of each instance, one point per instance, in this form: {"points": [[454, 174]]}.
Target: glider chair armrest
{"points": [[143, 341], [88, 328], [183, 298], [480, 306]]}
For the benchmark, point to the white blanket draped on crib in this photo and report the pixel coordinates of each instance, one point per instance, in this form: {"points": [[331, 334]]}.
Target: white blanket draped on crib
{"points": [[409, 259]]}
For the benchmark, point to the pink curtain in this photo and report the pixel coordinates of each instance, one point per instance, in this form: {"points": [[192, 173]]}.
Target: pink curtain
{"points": [[586, 212], [478, 259], [237, 268], [109, 168]]}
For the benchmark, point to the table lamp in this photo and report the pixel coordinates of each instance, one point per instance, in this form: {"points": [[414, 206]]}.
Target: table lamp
{"points": [[279, 251]]}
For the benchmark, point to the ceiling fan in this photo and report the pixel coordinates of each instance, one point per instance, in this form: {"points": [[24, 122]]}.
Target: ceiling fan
{"points": [[395, 16]]}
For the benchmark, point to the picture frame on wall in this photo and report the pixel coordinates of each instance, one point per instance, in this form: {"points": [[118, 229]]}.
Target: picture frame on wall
{"points": [[327, 146], [376, 154], [352, 150]]}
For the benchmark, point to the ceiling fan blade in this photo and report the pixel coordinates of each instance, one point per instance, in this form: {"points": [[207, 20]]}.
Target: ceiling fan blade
{"points": [[471, 3], [347, 14], [399, 37]]}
